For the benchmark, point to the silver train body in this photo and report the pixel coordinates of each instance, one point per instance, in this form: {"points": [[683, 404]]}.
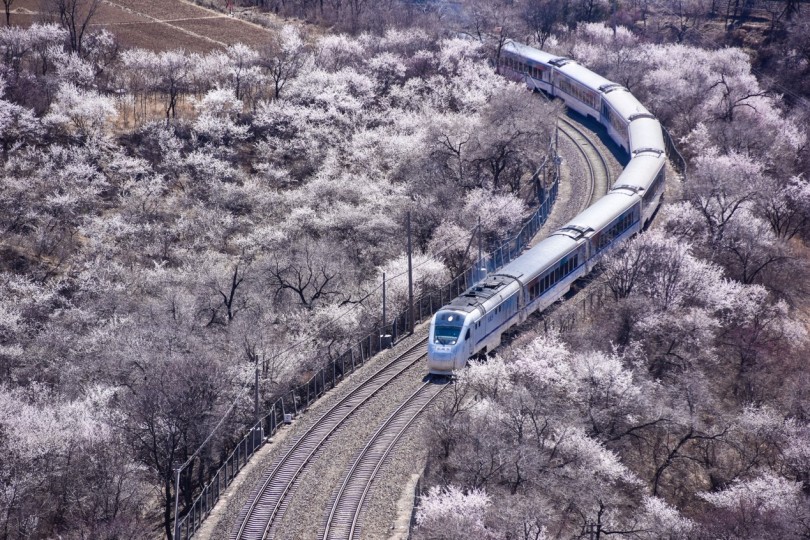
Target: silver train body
{"points": [[474, 322]]}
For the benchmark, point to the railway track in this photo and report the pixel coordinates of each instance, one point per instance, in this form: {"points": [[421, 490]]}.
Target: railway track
{"points": [[599, 171], [268, 503], [343, 520]]}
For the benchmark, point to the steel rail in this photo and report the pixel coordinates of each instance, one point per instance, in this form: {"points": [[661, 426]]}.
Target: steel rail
{"points": [[595, 160], [347, 502], [268, 500]]}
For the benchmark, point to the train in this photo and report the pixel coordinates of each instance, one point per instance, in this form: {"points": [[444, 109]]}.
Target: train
{"points": [[474, 322]]}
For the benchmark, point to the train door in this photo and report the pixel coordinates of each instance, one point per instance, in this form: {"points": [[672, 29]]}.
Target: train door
{"points": [[605, 113]]}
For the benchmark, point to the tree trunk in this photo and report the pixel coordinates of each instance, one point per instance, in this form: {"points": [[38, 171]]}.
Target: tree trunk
{"points": [[167, 507]]}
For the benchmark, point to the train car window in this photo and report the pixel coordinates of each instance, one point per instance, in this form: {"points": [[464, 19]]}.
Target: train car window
{"points": [[655, 187]]}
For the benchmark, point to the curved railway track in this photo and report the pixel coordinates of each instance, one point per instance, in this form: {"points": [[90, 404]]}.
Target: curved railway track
{"points": [[268, 503], [598, 168], [343, 520]]}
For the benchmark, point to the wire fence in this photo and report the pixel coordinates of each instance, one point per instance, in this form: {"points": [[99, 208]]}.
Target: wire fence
{"points": [[563, 317], [675, 156], [380, 338]]}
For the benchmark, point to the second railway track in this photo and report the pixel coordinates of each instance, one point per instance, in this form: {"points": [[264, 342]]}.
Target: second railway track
{"points": [[343, 520]]}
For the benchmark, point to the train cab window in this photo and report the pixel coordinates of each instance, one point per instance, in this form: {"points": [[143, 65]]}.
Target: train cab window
{"points": [[467, 335], [448, 327], [446, 335]]}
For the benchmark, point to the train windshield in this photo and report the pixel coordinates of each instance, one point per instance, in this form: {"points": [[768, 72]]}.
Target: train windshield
{"points": [[446, 335], [448, 327]]}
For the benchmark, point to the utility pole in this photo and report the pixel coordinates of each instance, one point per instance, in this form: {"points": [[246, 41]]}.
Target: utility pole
{"points": [[385, 338], [557, 159], [557, 136], [480, 248], [176, 502], [411, 324], [256, 398]]}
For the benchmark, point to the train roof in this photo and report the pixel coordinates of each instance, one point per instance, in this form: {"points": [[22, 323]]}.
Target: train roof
{"points": [[539, 258], [625, 104], [597, 216], [646, 135], [640, 172], [477, 296], [585, 76], [528, 52]]}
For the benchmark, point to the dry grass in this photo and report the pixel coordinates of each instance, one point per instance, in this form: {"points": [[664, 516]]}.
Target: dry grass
{"points": [[158, 37], [165, 10], [160, 24], [226, 30]]}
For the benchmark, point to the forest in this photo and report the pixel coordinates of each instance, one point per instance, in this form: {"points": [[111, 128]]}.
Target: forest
{"points": [[172, 220]]}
